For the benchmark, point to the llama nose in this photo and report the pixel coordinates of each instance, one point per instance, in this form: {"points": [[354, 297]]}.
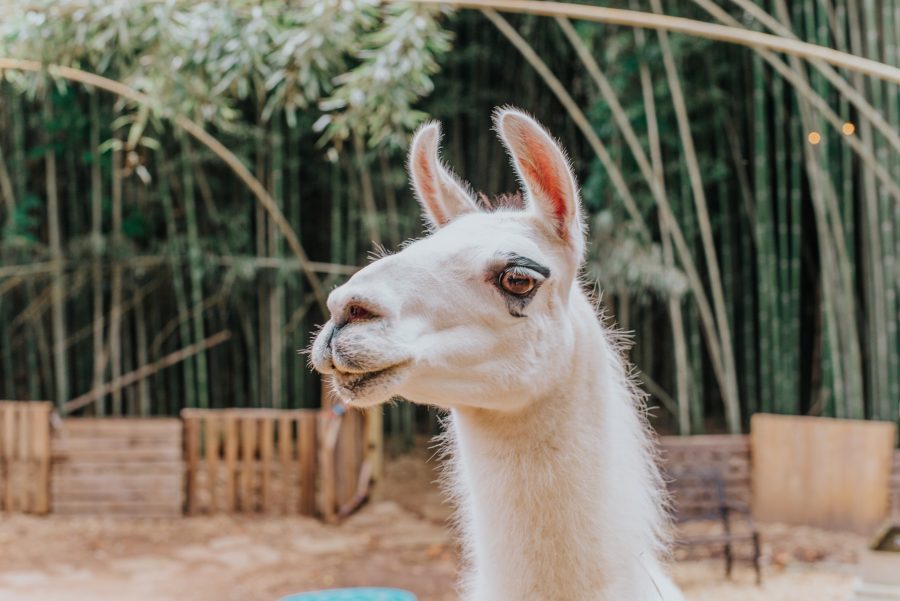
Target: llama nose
{"points": [[354, 310]]}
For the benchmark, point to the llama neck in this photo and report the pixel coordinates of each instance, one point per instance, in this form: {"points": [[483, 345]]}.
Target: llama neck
{"points": [[560, 500]]}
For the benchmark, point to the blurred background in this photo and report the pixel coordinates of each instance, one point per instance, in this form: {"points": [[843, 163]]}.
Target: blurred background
{"points": [[124, 239], [169, 231]]}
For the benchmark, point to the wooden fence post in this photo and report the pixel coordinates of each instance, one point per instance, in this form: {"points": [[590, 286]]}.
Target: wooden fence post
{"points": [[191, 449]]}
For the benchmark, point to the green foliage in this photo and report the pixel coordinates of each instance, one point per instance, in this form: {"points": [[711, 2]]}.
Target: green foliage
{"points": [[207, 59], [621, 264]]}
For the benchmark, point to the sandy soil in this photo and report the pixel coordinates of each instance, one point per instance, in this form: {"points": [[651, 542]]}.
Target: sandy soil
{"points": [[400, 541]]}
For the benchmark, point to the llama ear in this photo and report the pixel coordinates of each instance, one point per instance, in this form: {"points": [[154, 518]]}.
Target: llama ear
{"points": [[442, 196], [544, 171]]}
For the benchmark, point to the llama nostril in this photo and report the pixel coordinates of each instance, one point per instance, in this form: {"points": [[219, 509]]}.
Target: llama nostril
{"points": [[357, 312]]}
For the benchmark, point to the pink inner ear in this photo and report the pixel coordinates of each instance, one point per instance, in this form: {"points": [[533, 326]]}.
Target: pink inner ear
{"points": [[542, 172], [426, 188]]}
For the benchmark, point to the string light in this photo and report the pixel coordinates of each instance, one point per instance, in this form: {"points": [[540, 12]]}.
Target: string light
{"points": [[814, 137], [848, 128]]}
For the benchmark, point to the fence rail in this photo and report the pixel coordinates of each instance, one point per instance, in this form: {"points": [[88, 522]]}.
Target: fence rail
{"points": [[25, 456]]}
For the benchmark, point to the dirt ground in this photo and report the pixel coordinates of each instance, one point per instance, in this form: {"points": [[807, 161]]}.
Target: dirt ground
{"points": [[400, 541]]}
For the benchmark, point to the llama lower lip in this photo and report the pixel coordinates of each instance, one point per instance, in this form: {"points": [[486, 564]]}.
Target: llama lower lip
{"points": [[355, 382]]}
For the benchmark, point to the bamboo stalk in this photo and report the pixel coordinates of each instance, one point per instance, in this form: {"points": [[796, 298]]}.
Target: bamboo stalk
{"points": [[298, 296], [195, 267], [115, 303], [263, 292], [58, 321], [190, 391], [100, 358], [368, 191], [730, 392], [676, 318], [276, 296], [6, 188], [875, 292], [390, 201], [142, 359]]}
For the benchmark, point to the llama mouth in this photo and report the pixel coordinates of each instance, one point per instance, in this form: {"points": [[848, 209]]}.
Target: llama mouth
{"points": [[353, 384]]}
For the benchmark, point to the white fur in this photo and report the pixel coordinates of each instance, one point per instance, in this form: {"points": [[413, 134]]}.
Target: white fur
{"points": [[550, 458]]}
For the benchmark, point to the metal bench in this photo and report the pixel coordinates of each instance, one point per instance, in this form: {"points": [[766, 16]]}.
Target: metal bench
{"points": [[699, 495]]}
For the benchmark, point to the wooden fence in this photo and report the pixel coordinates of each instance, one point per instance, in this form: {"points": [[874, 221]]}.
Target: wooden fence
{"points": [[250, 460], [25, 456], [118, 466], [284, 461], [895, 487]]}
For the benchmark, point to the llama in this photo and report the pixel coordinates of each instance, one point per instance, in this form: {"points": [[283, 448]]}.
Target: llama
{"points": [[550, 459]]}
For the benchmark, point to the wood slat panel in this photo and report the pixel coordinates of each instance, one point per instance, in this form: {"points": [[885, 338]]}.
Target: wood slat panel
{"points": [[120, 466], [822, 472], [191, 449], [112, 426], [231, 451], [40, 427], [24, 456], [9, 445], [285, 453], [211, 456], [248, 453], [308, 461], [265, 460], [266, 432]]}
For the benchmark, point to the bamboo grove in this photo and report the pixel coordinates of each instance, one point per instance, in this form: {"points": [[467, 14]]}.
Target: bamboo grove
{"points": [[744, 205]]}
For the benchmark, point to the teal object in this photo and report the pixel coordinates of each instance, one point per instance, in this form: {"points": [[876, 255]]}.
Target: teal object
{"points": [[354, 594]]}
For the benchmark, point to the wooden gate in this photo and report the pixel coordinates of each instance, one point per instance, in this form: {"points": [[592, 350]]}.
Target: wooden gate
{"points": [[25, 456], [305, 461], [250, 460]]}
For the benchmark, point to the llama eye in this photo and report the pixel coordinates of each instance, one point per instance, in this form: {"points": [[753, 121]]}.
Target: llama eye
{"points": [[517, 283]]}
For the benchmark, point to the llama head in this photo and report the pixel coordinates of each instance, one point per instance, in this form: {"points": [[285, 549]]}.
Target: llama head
{"points": [[476, 314]]}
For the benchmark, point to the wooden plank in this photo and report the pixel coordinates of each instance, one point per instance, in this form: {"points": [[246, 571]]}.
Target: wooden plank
{"points": [[231, 451], [212, 432], [373, 426], [821, 472], [171, 453], [140, 426], [41, 450], [124, 481], [266, 432], [347, 453], [73, 445], [248, 451], [9, 431], [308, 448], [240, 413], [129, 508], [192, 433], [285, 444], [330, 428], [113, 493], [64, 468]]}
